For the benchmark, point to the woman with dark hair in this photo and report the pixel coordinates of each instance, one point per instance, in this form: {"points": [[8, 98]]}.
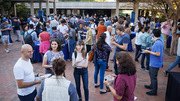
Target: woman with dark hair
{"points": [[57, 87], [125, 81], [138, 26], [80, 32], [80, 64], [25, 28], [127, 29], [138, 43], [101, 51], [38, 29], [44, 37], [54, 52]]}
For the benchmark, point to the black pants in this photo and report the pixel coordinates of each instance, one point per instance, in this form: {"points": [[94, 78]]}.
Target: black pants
{"points": [[138, 51], [107, 60], [153, 72], [29, 97], [88, 48]]}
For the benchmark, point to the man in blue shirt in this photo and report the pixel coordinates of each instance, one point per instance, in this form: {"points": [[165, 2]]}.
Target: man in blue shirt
{"points": [[156, 61], [108, 22], [49, 28], [121, 42]]}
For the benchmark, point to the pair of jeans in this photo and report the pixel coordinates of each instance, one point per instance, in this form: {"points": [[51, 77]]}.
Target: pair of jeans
{"points": [[88, 48], [147, 56], [138, 51], [72, 46], [101, 65], [78, 72], [29, 97], [174, 64], [115, 65], [153, 72]]}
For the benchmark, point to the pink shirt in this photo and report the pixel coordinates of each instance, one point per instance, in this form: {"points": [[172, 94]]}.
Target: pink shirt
{"points": [[165, 29], [45, 36], [124, 86]]}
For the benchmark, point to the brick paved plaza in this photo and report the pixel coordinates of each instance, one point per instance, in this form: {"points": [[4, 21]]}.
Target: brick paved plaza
{"points": [[8, 84]]}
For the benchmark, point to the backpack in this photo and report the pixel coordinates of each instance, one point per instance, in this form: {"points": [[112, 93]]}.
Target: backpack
{"points": [[28, 39]]}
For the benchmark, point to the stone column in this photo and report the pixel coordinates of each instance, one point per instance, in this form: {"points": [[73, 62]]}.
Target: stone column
{"points": [[117, 7], [32, 8], [136, 9], [15, 13], [40, 5], [112, 12], [47, 8], [54, 4]]}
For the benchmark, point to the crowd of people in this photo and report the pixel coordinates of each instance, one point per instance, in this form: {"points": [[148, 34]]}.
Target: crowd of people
{"points": [[84, 35]]}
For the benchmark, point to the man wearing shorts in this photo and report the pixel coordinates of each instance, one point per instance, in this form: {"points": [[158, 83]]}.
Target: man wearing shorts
{"points": [[5, 34]]}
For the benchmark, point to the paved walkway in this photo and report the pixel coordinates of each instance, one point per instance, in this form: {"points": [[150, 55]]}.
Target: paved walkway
{"points": [[8, 84]]}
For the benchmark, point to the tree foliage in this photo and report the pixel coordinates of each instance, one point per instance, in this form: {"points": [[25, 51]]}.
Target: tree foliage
{"points": [[170, 8], [22, 10]]}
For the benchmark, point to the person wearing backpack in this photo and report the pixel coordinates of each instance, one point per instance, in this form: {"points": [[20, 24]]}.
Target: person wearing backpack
{"points": [[72, 40], [59, 36], [80, 64], [54, 52], [30, 37]]}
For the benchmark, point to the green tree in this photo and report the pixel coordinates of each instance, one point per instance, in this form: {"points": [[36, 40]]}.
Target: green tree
{"points": [[6, 5], [22, 10], [169, 8]]}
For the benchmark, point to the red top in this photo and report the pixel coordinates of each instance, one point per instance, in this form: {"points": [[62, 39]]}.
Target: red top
{"points": [[45, 36], [101, 29], [124, 86]]}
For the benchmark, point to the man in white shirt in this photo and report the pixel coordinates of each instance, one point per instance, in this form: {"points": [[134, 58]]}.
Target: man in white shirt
{"points": [[24, 75], [142, 20], [62, 27], [108, 41], [54, 23], [93, 28]]}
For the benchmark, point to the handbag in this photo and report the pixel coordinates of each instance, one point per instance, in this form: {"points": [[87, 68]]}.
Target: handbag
{"points": [[91, 54]]}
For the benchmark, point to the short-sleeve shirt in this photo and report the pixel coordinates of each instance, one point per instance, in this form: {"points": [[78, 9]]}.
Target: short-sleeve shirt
{"points": [[78, 58], [165, 29], [45, 36], [22, 33], [24, 70], [71, 92], [124, 39], [4, 26], [157, 61], [50, 57], [89, 33], [62, 29], [124, 86], [101, 29], [103, 54]]}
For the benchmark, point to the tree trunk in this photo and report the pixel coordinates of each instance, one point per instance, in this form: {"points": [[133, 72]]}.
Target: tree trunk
{"points": [[173, 40]]}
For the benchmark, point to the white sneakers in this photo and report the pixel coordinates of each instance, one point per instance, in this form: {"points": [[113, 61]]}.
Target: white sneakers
{"points": [[7, 50]]}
